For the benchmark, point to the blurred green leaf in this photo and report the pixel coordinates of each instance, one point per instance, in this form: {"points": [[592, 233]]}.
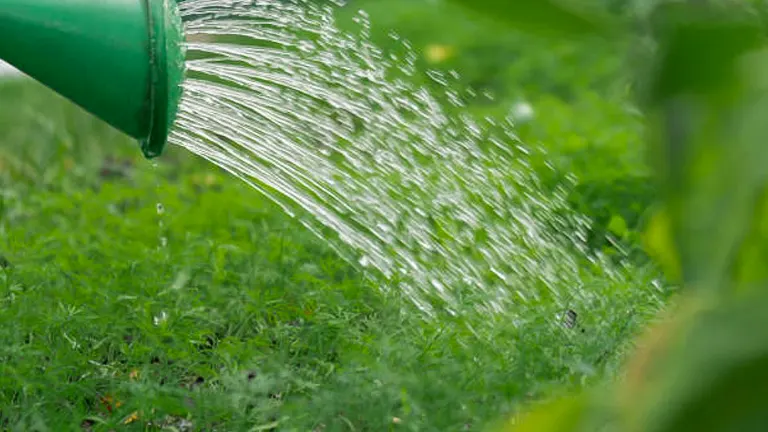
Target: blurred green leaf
{"points": [[618, 226], [658, 242], [698, 48], [750, 268], [717, 380], [562, 415], [707, 134], [543, 17]]}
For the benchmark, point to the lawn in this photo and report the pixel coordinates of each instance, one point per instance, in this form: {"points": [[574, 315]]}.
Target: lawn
{"points": [[154, 296]]}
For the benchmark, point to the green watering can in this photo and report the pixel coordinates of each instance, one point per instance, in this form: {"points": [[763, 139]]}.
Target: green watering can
{"points": [[121, 60]]}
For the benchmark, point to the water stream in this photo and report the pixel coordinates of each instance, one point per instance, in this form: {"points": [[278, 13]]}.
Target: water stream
{"points": [[445, 205]]}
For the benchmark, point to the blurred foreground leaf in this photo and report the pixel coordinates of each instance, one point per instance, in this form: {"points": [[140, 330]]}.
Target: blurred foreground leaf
{"points": [[658, 243], [703, 368], [750, 269], [542, 17], [707, 371], [561, 415], [707, 98]]}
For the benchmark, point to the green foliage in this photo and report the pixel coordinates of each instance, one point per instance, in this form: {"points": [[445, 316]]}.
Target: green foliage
{"points": [[707, 136], [713, 374], [584, 127], [221, 312], [704, 96], [566, 414], [546, 17]]}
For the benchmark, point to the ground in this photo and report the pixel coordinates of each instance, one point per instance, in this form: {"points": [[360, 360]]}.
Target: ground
{"points": [[140, 295]]}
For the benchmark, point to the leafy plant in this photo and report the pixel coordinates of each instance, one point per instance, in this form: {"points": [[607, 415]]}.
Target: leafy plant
{"points": [[545, 17], [704, 97]]}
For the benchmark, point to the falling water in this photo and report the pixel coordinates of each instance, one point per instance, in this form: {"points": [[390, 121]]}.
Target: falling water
{"points": [[313, 117]]}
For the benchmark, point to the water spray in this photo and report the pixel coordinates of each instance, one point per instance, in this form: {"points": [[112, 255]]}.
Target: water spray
{"points": [[121, 60]]}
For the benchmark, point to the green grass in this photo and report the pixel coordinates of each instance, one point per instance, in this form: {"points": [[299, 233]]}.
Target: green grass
{"points": [[230, 313], [195, 302]]}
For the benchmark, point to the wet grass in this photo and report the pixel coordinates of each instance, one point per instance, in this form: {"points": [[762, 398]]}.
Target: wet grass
{"points": [[139, 296], [170, 296]]}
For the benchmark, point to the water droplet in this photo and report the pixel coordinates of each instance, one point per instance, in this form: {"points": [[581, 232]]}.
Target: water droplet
{"points": [[160, 319], [435, 200], [522, 111]]}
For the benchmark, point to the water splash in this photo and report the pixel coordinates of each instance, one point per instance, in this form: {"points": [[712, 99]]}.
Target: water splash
{"points": [[315, 118]]}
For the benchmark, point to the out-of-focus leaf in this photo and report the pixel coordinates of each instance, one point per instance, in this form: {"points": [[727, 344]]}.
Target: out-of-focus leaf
{"points": [[699, 46], [543, 17], [659, 244], [562, 415], [750, 267], [618, 226], [713, 375], [653, 347], [707, 134]]}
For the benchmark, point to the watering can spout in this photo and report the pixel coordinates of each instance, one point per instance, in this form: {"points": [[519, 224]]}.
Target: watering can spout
{"points": [[121, 60]]}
